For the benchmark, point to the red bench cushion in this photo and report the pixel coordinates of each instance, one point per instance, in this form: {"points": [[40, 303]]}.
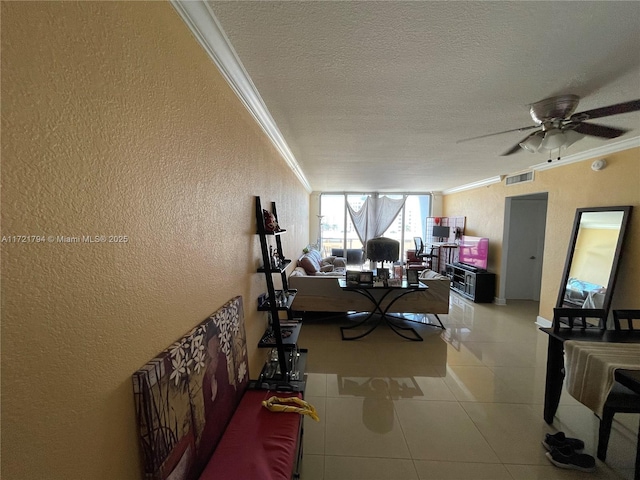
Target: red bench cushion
{"points": [[257, 444]]}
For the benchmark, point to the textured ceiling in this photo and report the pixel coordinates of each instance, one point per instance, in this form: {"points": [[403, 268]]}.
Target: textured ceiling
{"points": [[372, 96]]}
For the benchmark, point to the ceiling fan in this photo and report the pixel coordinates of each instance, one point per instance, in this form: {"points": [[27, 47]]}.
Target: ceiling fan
{"points": [[558, 127]]}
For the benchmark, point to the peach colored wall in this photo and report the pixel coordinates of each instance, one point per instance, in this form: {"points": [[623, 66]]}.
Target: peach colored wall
{"points": [[115, 122], [569, 187]]}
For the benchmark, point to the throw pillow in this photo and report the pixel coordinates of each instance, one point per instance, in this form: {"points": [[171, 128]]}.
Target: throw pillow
{"points": [[315, 256], [329, 260], [310, 265]]}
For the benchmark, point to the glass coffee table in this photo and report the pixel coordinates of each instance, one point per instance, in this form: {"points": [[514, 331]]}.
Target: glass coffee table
{"points": [[377, 294]]}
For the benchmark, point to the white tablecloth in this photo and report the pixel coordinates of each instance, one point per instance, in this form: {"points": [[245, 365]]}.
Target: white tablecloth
{"points": [[590, 367]]}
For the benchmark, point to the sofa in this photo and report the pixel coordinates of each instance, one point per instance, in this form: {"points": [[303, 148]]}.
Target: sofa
{"points": [[311, 263], [322, 293]]}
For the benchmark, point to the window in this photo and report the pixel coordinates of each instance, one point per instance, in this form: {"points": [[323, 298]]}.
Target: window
{"points": [[332, 223], [336, 227]]}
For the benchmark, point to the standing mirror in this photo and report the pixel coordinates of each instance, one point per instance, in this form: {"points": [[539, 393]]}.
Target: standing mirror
{"points": [[594, 254]]}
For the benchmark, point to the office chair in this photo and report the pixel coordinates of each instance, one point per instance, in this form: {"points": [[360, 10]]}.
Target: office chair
{"points": [[420, 253], [413, 262], [621, 399]]}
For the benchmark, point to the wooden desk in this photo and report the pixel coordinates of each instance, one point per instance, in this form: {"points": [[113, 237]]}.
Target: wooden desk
{"points": [[555, 358]]}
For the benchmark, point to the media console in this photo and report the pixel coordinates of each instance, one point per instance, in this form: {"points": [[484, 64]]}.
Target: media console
{"points": [[472, 283]]}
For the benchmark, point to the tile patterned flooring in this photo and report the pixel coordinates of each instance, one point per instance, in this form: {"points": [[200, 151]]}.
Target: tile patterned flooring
{"points": [[464, 404]]}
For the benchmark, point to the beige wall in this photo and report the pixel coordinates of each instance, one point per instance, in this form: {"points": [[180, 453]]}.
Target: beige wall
{"points": [[115, 122], [569, 187]]}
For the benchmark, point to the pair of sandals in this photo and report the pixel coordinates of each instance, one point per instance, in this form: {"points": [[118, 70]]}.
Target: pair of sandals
{"points": [[563, 452]]}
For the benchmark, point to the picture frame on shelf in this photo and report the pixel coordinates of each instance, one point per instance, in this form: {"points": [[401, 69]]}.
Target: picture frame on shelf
{"points": [[397, 271], [353, 277], [366, 277], [383, 274]]}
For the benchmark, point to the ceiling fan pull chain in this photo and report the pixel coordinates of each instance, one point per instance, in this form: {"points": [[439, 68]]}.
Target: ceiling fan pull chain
{"points": [[550, 153]]}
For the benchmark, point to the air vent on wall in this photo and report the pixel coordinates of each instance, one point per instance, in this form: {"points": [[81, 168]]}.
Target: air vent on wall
{"points": [[519, 178]]}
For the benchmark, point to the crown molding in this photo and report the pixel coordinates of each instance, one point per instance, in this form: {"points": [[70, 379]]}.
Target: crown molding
{"points": [[592, 153], [208, 32], [577, 157], [471, 186]]}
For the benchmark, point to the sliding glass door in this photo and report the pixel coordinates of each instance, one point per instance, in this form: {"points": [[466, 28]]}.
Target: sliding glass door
{"points": [[337, 230]]}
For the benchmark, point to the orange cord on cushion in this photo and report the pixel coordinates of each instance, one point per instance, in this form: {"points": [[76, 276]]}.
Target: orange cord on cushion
{"points": [[277, 404]]}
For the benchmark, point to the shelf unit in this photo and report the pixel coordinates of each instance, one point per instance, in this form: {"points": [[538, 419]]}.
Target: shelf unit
{"points": [[478, 286], [285, 364]]}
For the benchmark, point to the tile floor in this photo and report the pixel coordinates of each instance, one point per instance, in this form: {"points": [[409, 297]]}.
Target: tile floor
{"points": [[464, 404]]}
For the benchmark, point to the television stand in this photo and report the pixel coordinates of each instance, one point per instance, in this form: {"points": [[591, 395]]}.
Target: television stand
{"points": [[468, 268], [472, 283]]}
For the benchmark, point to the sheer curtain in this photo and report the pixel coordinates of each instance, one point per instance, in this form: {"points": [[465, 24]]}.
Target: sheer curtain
{"points": [[375, 216]]}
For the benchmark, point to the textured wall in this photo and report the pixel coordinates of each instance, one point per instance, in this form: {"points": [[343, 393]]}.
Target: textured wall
{"points": [[114, 122], [570, 187]]}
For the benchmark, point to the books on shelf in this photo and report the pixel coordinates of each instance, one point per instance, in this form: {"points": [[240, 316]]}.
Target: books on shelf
{"points": [[290, 323]]}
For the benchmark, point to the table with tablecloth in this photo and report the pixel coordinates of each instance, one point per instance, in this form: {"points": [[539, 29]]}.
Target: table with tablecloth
{"points": [[590, 368]]}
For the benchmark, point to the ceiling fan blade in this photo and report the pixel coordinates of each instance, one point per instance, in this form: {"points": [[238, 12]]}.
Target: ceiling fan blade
{"points": [[512, 150], [521, 129], [617, 109], [516, 148], [597, 130]]}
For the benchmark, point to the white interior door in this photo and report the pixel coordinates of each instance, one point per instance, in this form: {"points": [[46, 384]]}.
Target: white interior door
{"points": [[525, 247]]}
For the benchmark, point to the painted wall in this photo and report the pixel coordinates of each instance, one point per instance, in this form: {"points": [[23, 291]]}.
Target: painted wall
{"points": [[570, 187], [115, 122]]}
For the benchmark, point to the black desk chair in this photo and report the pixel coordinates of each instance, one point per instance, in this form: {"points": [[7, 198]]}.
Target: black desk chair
{"points": [[621, 399], [420, 252]]}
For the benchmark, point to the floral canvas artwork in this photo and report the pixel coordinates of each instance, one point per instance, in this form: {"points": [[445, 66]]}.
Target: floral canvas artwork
{"points": [[186, 395]]}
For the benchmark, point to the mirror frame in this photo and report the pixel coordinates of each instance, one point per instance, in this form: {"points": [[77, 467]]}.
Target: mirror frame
{"points": [[613, 274]]}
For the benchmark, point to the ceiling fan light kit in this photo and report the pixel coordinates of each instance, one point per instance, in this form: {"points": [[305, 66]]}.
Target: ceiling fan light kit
{"points": [[532, 143], [553, 139], [571, 137], [559, 128], [560, 139]]}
